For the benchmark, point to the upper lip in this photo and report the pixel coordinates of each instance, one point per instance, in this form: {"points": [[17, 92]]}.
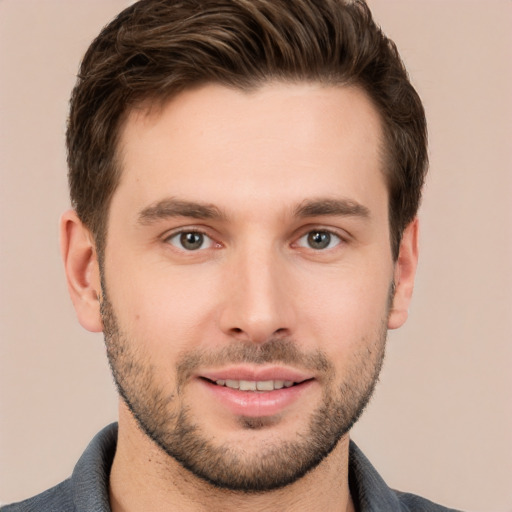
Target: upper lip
{"points": [[251, 373]]}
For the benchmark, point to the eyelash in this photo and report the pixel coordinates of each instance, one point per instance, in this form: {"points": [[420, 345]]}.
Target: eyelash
{"points": [[184, 232], [178, 237], [338, 239]]}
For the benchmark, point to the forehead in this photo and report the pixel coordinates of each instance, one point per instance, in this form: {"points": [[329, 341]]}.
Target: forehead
{"points": [[279, 141]]}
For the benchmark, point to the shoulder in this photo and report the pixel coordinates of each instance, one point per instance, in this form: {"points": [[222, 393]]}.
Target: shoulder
{"points": [[87, 489], [56, 499], [412, 502], [371, 493]]}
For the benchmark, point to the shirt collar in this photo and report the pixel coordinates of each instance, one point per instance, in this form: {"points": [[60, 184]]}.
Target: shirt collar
{"points": [[91, 475]]}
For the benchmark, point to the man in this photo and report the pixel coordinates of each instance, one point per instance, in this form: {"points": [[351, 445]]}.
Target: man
{"points": [[245, 179]]}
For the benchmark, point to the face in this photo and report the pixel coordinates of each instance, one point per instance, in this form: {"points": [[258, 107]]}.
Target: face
{"points": [[247, 275]]}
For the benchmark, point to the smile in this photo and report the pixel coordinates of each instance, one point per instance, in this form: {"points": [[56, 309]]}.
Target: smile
{"points": [[256, 393], [253, 385]]}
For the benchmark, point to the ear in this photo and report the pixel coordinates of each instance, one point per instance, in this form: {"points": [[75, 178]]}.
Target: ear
{"points": [[82, 270], [405, 270]]}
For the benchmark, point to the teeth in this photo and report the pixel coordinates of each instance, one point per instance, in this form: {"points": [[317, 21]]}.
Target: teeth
{"points": [[278, 384], [234, 384], [265, 385], [251, 385], [247, 385]]}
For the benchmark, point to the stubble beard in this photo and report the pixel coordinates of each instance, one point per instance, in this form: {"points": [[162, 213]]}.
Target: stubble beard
{"points": [[171, 427]]}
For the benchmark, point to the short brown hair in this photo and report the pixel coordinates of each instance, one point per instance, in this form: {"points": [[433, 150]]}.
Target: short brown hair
{"points": [[156, 48]]}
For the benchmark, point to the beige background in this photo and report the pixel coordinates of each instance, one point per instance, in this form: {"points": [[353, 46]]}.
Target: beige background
{"points": [[441, 422]]}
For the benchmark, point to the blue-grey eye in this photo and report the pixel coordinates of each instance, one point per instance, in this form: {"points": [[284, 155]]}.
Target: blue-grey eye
{"points": [[319, 240], [190, 240]]}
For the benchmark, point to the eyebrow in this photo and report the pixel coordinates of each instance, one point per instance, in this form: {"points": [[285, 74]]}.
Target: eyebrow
{"points": [[324, 207], [170, 207]]}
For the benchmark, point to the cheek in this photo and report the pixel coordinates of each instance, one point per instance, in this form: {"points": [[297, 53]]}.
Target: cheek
{"points": [[346, 307], [165, 308]]}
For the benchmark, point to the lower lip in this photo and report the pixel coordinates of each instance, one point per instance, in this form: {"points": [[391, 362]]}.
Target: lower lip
{"points": [[257, 404]]}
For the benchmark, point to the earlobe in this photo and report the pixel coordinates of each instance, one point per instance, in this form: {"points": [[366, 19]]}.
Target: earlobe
{"points": [[405, 271], [82, 270]]}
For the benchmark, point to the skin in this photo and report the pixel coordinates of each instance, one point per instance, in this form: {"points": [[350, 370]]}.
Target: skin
{"points": [[257, 158]]}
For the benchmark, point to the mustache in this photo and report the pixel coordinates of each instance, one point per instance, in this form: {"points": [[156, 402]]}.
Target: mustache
{"points": [[275, 350]]}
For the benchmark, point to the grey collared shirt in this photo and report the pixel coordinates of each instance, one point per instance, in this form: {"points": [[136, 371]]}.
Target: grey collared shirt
{"points": [[87, 488]]}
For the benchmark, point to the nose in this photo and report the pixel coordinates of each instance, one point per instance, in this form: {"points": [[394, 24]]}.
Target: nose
{"points": [[258, 297]]}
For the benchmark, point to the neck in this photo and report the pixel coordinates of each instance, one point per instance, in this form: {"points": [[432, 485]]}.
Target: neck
{"points": [[143, 477]]}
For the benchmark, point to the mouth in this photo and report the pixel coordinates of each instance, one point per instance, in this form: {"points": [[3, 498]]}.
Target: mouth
{"points": [[261, 392], [254, 385]]}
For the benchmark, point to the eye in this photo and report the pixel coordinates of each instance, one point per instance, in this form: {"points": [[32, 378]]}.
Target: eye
{"points": [[190, 240], [319, 240]]}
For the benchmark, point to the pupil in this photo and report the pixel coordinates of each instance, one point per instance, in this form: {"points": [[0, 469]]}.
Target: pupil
{"points": [[319, 239], [191, 241]]}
